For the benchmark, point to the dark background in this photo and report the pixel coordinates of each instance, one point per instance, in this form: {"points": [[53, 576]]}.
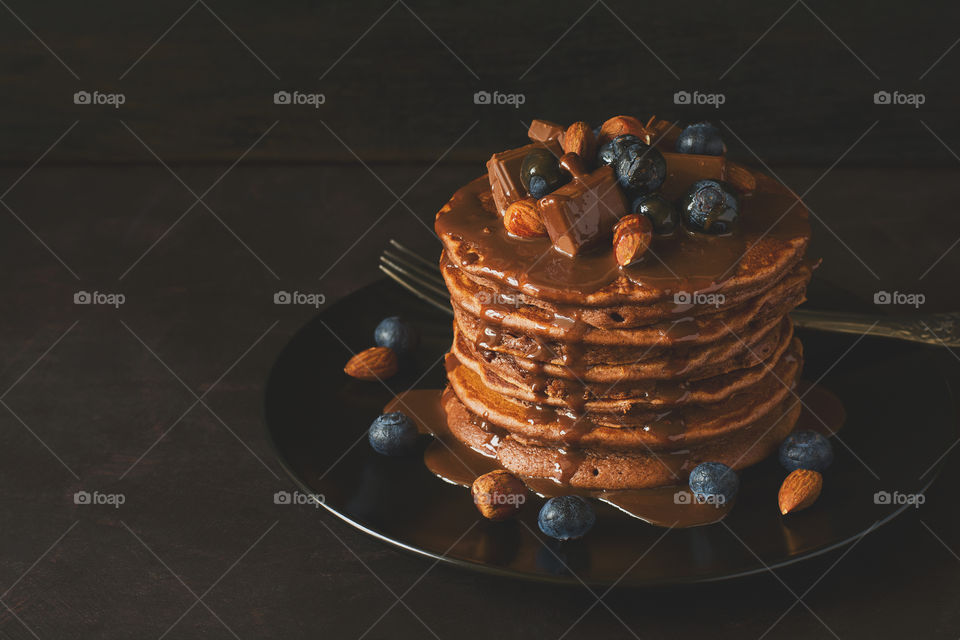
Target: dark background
{"points": [[102, 199]]}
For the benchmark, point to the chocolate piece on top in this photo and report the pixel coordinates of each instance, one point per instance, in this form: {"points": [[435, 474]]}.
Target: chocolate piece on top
{"points": [[582, 212], [503, 170], [684, 169], [544, 131]]}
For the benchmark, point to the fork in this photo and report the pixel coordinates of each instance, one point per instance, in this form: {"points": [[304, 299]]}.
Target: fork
{"points": [[422, 278]]}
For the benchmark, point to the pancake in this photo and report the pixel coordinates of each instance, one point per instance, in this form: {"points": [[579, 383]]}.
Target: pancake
{"points": [[634, 427], [773, 235], [711, 323], [621, 396], [723, 356], [613, 470], [605, 377]]}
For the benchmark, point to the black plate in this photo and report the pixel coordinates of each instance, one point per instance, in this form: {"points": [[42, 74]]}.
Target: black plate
{"points": [[901, 418]]}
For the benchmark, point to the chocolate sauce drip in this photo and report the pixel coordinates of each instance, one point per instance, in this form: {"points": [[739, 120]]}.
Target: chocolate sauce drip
{"points": [[681, 262], [457, 463]]}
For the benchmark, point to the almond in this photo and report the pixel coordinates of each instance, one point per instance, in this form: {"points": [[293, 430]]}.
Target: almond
{"points": [[498, 494], [522, 219], [741, 177], [631, 238], [579, 139], [375, 363], [800, 490], [621, 125]]}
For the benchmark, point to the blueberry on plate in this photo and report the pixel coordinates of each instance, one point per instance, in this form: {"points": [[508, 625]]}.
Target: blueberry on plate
{"points": [[806, 449], [714, 483], [540, 163], [393, 434], [566, 517], [702, 138], [710, 207], [662, 213], [610, 151], [395, 333]]}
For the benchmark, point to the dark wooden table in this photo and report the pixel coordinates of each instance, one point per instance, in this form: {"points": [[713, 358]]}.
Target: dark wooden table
{"points": [[158, 400]]}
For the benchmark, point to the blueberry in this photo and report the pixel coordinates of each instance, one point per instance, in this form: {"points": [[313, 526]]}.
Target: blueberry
{"points": [[538, 187], [566, 517], [393, 434], [806, 450], [662, 213], [714, 482], [544, 165], [702, 138], [640, 168], [710, 207], [610, 151], [400, 336]]}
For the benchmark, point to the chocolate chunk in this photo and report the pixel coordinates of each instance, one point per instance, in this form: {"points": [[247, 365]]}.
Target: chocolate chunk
{"points": [[582, 213], [683, 169], [503, 170], [544, 131], [662, 132]]}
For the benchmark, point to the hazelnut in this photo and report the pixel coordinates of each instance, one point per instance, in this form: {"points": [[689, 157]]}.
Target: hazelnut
{"points": [[498, 494]]}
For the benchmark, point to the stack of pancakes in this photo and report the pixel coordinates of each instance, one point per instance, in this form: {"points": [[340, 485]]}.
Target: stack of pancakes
{"points": [[606, 378]]}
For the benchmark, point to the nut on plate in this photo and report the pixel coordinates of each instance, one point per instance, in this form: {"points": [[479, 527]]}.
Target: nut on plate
{"points": [[522, 219], [631, 238], [800, 490], [375, 363], [579, 139], [498, 494], [621, 125]]}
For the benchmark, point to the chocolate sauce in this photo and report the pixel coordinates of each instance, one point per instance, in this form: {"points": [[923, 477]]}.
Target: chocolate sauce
{"points": [[671, 506], [684, 261], [445, 456]]}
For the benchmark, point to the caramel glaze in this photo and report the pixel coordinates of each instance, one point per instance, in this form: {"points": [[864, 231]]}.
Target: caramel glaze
{"points": [[457, 463]]}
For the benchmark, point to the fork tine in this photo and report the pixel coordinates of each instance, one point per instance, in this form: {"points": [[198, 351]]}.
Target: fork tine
{"points": [[433, 267], [431, 299], [425, 273], [414, 277]]}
